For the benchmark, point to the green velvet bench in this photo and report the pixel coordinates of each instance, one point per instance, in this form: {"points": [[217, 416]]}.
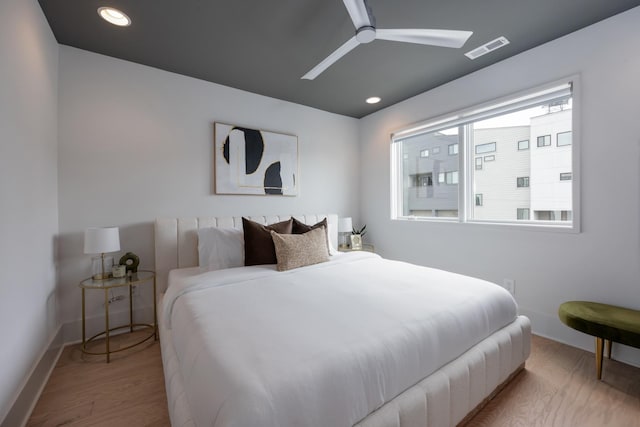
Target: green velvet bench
{"points": [[605, 322]]}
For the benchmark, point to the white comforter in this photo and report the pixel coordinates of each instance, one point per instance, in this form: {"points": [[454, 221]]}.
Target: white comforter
{"points": [[322, 345]]}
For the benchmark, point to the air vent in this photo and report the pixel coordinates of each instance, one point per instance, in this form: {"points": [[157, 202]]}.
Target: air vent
{"points": [[487, 47]]}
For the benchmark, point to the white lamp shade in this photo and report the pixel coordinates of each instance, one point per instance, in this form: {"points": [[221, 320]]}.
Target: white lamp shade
{"points": [[345, 225], [98, 240]]}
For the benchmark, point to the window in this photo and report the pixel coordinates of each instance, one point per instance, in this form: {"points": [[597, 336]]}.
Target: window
{"points": [[544, 141], [424, 153], [522, 213], [563, 138], [546, 185], [478, 163], [436, 150], [486, 148], [422, 180], [522, 181], [451, 177], [563, 216]]}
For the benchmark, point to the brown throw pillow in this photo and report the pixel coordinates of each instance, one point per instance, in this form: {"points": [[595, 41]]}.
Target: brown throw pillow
{"points": [[258, 244], [299, 250], [300, 227]]}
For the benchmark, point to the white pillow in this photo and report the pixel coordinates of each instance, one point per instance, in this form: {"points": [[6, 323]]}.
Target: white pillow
{"points": [[332, 250], [220, 248]]}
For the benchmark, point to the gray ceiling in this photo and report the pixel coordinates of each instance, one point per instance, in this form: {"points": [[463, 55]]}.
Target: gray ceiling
{"points": [[265, 46]]}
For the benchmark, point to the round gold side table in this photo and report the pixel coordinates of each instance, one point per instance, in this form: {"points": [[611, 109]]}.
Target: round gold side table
{"points": [[135, 279]]}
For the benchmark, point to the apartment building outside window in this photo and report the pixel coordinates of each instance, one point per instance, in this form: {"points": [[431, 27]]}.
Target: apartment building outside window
{"points": [[473, 186]]}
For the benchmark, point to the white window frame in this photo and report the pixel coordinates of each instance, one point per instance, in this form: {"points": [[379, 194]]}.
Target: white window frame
{"points": [[466, 197]]}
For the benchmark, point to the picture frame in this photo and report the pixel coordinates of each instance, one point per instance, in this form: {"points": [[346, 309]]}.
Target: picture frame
{"points": [[253, 161], [356, 242]]}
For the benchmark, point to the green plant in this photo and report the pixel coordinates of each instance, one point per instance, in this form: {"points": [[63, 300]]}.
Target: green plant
{"points": [[361, 232]]}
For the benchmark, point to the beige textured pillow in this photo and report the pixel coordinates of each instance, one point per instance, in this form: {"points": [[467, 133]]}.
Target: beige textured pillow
{"points": [[298, 250]]}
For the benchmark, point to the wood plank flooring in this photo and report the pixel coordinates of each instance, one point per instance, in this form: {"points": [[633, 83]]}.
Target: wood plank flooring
{"points": [[84, 390], [557, 388]]}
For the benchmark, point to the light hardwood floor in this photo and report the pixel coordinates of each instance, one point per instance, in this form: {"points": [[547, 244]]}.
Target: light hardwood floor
{"points": [[557, 388]]}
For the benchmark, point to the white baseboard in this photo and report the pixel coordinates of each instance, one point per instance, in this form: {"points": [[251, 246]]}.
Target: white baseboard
{"points": [[551, 327], [34, 383]]}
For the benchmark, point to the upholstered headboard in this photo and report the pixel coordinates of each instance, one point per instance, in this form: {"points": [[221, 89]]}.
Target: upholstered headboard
{"points": [[176, 239]]}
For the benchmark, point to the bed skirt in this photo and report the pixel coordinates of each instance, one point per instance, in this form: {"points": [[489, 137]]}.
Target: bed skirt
{"points": [[444, 398]]}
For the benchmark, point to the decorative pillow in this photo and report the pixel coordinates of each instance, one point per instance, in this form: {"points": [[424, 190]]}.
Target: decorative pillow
{"points": [[258, 244], [220, 248], [300, 227], [298, 250]]}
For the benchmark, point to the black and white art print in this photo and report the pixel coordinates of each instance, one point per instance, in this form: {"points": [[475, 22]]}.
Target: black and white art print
{"points": [[251, 161]]}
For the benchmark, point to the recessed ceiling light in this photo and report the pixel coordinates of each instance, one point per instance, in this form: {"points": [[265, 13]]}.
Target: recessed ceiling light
{"points": [[373, 100], [114, 16]]}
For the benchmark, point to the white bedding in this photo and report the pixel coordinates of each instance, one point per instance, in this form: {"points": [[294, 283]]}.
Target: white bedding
{"points": [[309, 347]]}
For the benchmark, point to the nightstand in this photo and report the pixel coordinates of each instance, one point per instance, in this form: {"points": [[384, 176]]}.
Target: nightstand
{"points": [[365, 247], [136, 279]]}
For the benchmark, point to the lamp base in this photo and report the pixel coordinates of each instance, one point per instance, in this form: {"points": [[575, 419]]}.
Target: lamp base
{"points": [[101, 269]]}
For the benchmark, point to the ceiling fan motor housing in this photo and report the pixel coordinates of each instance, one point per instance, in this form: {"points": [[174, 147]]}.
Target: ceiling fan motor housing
{"points": [[366, 34]]}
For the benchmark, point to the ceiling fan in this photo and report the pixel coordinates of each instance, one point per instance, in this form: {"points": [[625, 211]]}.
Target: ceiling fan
{"points": [[366, 32]]}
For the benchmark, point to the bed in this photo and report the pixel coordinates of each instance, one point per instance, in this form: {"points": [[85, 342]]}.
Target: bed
{"points": [[355, 341]]}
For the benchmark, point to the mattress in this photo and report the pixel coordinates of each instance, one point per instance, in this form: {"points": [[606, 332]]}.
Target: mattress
{"points": [[330, 344]]}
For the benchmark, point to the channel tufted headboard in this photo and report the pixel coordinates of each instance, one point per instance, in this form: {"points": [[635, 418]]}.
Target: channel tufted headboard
{"points": [[176, 239]]}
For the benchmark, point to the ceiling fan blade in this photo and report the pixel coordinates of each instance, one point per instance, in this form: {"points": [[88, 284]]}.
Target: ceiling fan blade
{"points": [[360, 13], [444, 38], [351, 44]]}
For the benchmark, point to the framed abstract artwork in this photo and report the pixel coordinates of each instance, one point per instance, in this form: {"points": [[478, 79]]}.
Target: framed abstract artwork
{"points": [[252, 161]]}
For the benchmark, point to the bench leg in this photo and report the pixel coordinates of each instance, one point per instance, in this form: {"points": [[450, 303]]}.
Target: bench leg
{"points": [[599, 351], [608, 342]]}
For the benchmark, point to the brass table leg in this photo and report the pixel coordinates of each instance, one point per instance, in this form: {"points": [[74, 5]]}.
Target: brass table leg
{"points": [[599, 351], [83, 323], [106, 320], [608, 342], [130, 308], [155, 311]]}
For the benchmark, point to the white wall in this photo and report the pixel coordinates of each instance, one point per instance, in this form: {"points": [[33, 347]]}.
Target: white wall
{"points": [[28, 192], [136, 143], [600, 263]]}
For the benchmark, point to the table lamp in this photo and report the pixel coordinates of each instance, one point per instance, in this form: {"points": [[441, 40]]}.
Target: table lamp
{"points": [[345, 227], [101, 240]]}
